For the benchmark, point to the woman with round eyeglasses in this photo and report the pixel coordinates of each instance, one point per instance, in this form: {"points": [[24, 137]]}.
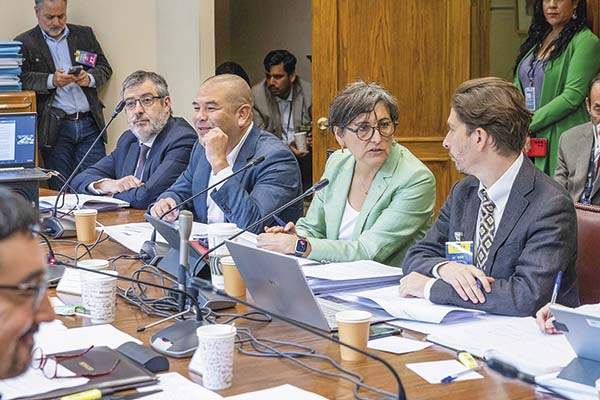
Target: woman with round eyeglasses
{"points": [[553, 70], [380, 197]]}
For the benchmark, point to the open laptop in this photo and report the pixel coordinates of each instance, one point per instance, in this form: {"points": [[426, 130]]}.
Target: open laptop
{"points": [[277, 284], [18, 148], [582, 330]]}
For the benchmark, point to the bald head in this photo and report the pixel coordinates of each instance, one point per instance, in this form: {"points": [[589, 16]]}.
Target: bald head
{"points": [[234, 89]]}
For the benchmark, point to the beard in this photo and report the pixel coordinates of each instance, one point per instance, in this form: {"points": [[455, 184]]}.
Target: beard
{"points": [[19, 355], [154, 125]]}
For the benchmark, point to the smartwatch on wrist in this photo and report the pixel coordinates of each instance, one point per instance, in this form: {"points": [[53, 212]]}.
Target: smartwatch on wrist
{"points": [[301, 247]]}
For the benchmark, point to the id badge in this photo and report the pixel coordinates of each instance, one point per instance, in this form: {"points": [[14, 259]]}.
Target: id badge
{"points": [[530, 98], [460, 252], [86, 58]]}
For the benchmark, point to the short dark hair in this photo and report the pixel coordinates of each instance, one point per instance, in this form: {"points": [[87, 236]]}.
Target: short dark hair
{"points": [[594, 80], [276, 57], [360, 98], [498, 107], [138, 77], [231, 67], [16, 214]]}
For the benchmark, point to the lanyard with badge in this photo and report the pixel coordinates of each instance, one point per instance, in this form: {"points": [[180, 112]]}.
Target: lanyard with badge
{"points": [[592, 169], [530, 90], [460, 251]]}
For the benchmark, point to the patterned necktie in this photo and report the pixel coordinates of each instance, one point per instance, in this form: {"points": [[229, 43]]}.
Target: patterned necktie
{"points": [[139, 170], [487, 229]]}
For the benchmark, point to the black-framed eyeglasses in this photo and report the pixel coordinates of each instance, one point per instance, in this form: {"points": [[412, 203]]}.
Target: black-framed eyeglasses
{"points": [[30, 291], [49, 364], [145, 101], [364, 131]]}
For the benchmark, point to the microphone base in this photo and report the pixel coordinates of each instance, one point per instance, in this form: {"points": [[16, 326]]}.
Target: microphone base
{"points": [[153, 252], [178, 340], [58, 228], [214, 301]]}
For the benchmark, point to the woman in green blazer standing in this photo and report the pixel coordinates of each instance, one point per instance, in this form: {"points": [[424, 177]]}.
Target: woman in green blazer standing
{"points": [[553, 70], [380, 197]]}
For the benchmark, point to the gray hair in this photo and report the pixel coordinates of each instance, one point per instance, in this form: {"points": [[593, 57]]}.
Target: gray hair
{"points": [[139, 77], [360, 98], [38, 3]]}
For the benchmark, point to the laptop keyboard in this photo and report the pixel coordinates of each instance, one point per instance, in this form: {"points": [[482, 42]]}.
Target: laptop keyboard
{"points": [[330, 306]]}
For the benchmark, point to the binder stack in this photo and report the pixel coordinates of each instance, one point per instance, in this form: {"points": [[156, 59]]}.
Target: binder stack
{"points": [[10, 66]]}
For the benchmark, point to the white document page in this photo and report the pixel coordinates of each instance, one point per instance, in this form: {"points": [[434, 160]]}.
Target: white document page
{"points": [[517, 341], [435, 371], [7, 140], [397, 345], [350, 270], [176, 386], [410, 308], [287, 392]]}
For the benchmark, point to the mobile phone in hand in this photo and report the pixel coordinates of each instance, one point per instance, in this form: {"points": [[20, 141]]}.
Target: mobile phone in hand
{"points": [[75, 70]]}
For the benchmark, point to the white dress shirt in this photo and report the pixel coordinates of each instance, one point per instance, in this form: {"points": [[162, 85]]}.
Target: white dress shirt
{"points": [[214, 213]]}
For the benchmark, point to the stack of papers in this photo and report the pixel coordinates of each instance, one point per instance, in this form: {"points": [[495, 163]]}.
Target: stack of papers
{"points": [[100, 203], [409, 308], [335, 277], [10, 66]]}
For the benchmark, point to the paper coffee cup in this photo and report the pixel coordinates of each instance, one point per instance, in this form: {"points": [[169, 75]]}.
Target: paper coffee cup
{"points": [[217, 233], [98, 293], [353, 329], [85, 223], [213, 358], [598, 387], [300, 139], [234, 284]]}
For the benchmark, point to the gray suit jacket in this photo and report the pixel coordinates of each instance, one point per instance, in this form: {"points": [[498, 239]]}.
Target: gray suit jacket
{"points": [[536, 237], [574, 148], [266, 111]]}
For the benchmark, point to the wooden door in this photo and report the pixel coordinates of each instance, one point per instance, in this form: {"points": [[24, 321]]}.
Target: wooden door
{"points": [[419, 50]]}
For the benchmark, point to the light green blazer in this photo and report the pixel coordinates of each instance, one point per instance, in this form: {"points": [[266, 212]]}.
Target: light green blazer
{"points": [[397, 211], [562, 105]]}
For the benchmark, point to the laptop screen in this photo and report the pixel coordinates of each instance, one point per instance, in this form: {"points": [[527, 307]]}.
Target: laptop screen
{"points": [[17, 140]]}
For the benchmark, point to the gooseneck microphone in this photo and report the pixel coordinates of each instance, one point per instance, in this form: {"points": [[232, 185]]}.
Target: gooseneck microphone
{"points": [[151, 251], [314, 188], [203, 285], [54, 226], [251, 164], [185, 229]]}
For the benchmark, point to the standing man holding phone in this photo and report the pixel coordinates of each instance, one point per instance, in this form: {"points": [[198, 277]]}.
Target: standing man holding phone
{"points": [[65, 65]]}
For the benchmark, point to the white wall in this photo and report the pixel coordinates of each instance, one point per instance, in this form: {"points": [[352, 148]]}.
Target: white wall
{"points": [[246, 30], [172, 37]]}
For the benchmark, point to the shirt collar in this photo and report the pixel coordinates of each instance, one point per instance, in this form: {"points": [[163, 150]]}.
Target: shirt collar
{"points": [[500, 190], [148, 142], [64, 35], [231, 157]]}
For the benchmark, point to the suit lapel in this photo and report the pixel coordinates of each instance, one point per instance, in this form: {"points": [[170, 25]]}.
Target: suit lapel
{"points": [[132, 157], [45, 50], [154, 154], [203, 172], [339, 198], [515, 207], [247, 151], [470, 215], [72, 42], [378, 187]]}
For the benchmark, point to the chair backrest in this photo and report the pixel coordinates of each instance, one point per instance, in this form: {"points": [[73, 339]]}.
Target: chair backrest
{"points": [[588, 253]]}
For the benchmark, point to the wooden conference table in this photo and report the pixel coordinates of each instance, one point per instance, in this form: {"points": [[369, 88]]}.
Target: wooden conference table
{"points": [[254, 373]]}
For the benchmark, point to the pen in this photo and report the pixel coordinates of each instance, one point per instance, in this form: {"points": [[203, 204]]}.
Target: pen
{"points": [[556, 287], [451, 378], [279, 221]]}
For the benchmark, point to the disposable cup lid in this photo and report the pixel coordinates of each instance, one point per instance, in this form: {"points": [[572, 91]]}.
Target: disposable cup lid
{"points": [[353, 316], [93, 264], [86, 211], [216, 330]]}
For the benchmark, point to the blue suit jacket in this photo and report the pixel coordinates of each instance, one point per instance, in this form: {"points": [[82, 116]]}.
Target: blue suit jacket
{"points": [[536, 237], [252, 194], [166, 160]]}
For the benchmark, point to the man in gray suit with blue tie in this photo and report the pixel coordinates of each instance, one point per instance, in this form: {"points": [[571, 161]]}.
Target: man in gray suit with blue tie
{"points": [[579, 153], [518, 224]]}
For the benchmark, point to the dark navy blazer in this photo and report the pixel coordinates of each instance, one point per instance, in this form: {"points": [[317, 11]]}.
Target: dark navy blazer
{"points": [[167, 158]]}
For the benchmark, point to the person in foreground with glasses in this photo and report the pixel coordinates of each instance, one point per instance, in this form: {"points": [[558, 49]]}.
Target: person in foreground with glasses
{"points": [[380, 198], [149, 156], [23, 301]]}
